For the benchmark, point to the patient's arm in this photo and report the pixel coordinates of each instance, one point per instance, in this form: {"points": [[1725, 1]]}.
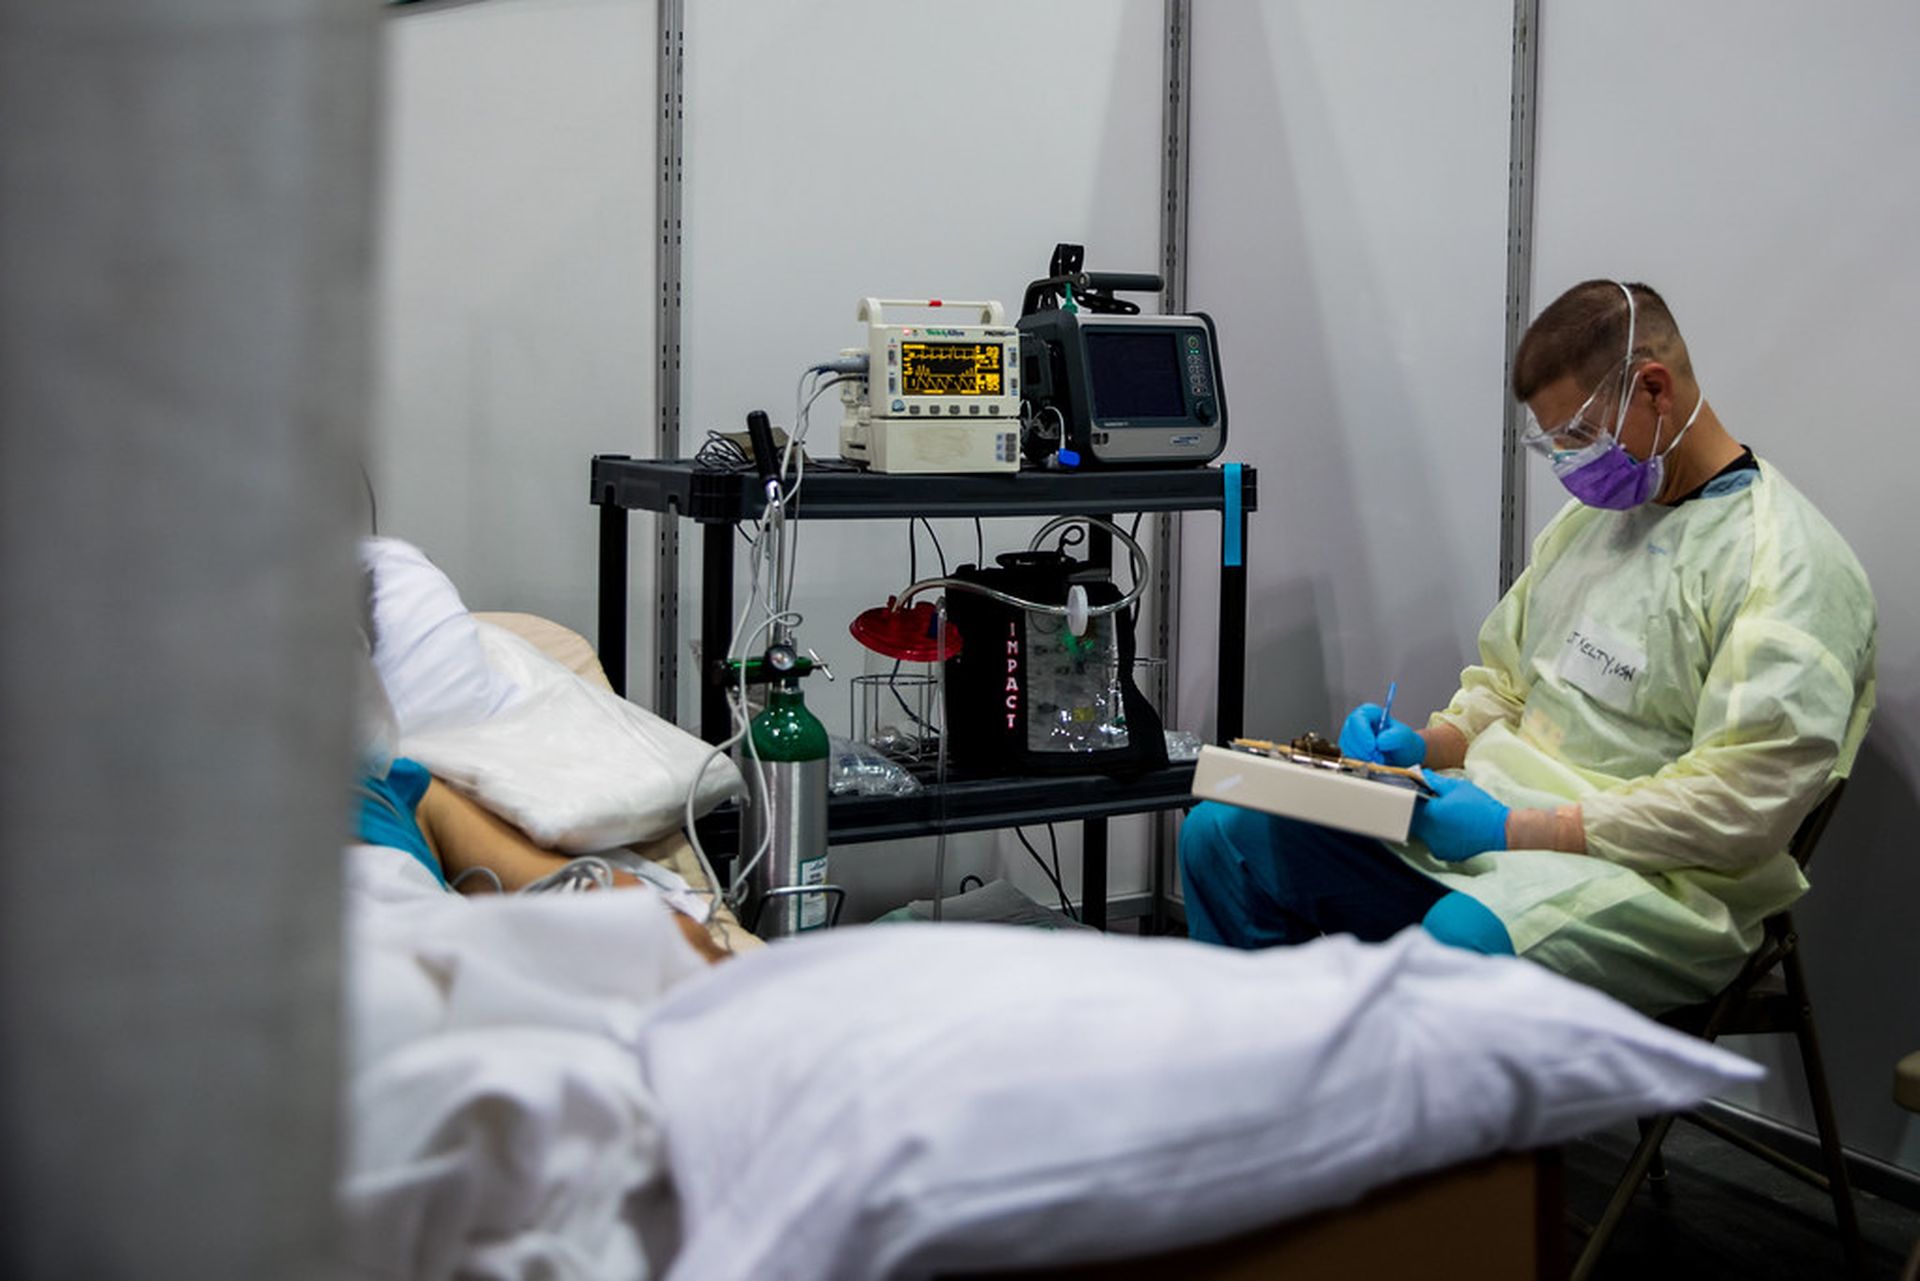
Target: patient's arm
{"points": [[465, 835]]}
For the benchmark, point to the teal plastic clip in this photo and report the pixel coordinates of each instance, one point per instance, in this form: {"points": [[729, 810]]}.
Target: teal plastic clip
{"points": [[1230, 517]]}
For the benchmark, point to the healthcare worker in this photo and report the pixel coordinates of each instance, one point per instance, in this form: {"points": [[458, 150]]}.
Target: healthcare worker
{"points": [[1675, 681]]}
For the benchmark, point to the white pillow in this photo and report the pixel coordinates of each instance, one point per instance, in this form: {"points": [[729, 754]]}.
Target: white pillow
{"points": [[574, 766], [426, 645], [903, 1100]]}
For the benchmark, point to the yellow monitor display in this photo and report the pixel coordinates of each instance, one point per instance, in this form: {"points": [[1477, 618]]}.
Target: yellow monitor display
{"points": [[952, 369]]}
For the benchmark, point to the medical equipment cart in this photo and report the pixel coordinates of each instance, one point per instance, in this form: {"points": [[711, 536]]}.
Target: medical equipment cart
{"points": [[719, 500]]}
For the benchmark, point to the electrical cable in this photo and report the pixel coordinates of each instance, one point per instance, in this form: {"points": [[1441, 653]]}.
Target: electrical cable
{"points": [[893, 686], [795, 457], [940, 766], [776, 619], [737, 704], [487, 872], [1053, 839], [1051, 873], [1133, 532], [577, 874], [938, 550], [770, 541], [893, 676], [718, 453]]}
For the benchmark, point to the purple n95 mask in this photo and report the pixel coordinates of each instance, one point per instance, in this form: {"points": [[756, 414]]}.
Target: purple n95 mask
{"points": [[1605, 475]]}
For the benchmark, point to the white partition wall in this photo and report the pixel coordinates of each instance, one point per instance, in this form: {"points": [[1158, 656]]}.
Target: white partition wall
{"points": [[1760, 166], [516, 334], [843, 148], [1347, 231]]}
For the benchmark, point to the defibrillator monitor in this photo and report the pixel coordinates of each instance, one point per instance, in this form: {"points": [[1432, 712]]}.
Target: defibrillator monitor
{"points": [[957, 360], [946, 364], [941, 388], [1120, 390]]}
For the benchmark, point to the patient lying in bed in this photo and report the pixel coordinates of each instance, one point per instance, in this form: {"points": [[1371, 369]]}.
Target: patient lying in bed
{"points": [[430, 660], [464, 846]]}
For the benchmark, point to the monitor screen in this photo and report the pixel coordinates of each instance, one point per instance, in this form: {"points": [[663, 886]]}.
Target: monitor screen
{"points": [[1135, 373], [952, 369]]}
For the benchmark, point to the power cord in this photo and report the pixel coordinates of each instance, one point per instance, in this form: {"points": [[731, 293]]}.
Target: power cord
{"points": [[485, 872], [1052, 873]]}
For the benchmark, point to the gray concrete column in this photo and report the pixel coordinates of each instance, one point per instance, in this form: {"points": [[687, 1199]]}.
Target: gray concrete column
{"points": [[185, 244]]}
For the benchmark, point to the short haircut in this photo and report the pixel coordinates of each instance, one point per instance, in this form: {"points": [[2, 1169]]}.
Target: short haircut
{"points": [[1583, 335]]}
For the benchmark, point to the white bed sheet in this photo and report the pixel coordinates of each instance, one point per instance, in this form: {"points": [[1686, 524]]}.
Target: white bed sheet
{"points": [[890, 1101], [528, 1073], [498, 1124]]}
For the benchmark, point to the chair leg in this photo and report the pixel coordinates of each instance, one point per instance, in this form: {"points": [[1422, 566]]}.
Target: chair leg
{"points": [[1822, 1099], [1657, 1169], [1652, 1135]]}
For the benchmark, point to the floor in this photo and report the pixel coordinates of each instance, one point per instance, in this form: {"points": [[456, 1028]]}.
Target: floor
{"points": [[1725, 1214]]}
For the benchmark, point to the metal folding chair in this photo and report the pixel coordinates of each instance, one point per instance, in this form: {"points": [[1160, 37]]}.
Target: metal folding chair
{"points": [[1768, 996]]}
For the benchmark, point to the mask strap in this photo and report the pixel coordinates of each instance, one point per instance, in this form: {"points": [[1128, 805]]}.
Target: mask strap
{"points": [[1626, 376], [1698, 404]]}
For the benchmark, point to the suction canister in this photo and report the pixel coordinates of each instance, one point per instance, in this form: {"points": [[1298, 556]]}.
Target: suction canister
{"points": [[787, 890]]}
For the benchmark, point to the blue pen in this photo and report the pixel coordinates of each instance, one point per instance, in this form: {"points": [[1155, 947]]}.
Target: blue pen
{"points": [[1386, 709]]}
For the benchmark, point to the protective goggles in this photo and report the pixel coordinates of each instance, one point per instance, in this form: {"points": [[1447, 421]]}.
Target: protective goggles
{"points": [[1586, 426]]}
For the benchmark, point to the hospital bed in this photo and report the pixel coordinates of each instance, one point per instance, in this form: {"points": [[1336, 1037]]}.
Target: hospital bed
{"points": [[1498, 1218], [557, 1087]]}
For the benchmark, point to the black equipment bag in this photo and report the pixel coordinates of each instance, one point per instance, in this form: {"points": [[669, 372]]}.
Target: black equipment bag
{"points": [[1025, 696]]}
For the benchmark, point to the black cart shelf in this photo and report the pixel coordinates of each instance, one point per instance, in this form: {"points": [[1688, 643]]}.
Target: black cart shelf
{"points": [[718, 500]]}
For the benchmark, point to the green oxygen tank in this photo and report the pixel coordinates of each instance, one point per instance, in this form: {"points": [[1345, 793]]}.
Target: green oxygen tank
{"points": [[791, 746]]}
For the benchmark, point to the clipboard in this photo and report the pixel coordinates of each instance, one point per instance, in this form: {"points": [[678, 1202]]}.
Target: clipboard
{"points": [[1369, 800]]}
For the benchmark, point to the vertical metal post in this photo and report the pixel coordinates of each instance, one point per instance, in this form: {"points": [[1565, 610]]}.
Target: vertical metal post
{"points": [[613, 594], [1175, 118], [670, 142], [1093, 873], [716, 627], [1231, 667], [1520, 159], [1173, 301]]}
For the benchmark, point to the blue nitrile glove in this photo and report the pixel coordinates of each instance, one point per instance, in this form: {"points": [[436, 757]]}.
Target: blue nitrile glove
{"points": [[1459, 822], [1397, 744]]}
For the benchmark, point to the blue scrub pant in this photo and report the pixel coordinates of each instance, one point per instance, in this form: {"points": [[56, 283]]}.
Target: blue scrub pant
{"points": [[1256, 880]]}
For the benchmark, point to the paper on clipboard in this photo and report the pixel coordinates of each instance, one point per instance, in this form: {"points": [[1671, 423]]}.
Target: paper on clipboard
{"points": [[1332, 798]]}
